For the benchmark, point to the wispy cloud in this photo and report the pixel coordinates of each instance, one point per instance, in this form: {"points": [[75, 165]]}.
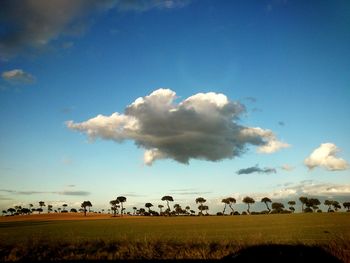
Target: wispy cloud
{"points": [[325, 156], [256, 169], [17, 76], [287, 167], [78, 193], [204, 126]]}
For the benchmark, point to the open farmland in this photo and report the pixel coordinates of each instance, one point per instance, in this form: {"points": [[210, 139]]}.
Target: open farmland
{"points": [[227, 234]]}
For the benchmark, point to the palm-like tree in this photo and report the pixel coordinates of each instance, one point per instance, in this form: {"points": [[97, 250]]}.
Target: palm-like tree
{"points": [[41, 204], [64, 207], [148, 205], [121, 200], [248, 200], [187, 208], [329, 204], [4, 212], [226, 202], [232, 201], [266, 200], [114, 206], [49, 208], [201, 201], [178, 209], [86, 204], [303, 201], [346, 206], [168, 199], [160, 209], [11, 210], [134, 208], [291, 205], [336, 205]]}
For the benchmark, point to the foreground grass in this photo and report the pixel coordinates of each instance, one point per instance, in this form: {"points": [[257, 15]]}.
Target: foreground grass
{"points": [[171, 237]]}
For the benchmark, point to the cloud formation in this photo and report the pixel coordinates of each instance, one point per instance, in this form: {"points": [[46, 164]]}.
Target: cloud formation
{"points": [[287, 167], [325, 156], [33, 24], [203, 126], [256, 169], [77, 193], [18, 76]]}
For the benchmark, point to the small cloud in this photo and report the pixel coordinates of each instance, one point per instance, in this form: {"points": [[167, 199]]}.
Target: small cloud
{"points": [[256, 169], [67, 161], [17, 76], [71, 185], [191, 193], [250, 99], [325, 156], [287, 167], [281, 123], [77, 193]]}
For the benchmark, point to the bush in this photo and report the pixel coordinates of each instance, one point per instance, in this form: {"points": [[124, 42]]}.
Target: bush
{"points": [[255, 213], [219, 214], [308, 210], [331, 211], [244, 213], [236, 213], [319, 211], [264, 212]]}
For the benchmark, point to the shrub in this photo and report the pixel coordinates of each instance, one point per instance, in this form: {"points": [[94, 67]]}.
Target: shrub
{"points": [[319, 211], [244, 213], [236, 213], [308, 210], [264, 212], [219, 214]]}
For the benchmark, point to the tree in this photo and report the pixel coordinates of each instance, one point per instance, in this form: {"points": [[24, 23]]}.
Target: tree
{"points": [[148, 205], [291, 206], [336, 205], [160, 208], [134, 208], [232, 201], [277, 207], [347, 206], [187, 208], [41, 204], [168, 199], [4, 212], [73, 210], [49, 208], [226, 202], [266, 200], [178, 209], [86, 204], [303, 201], [142, 211], [201, 201], [121, 200], [248, 200], [64, 207], [329, 204], [313, 203], [114, 204], [11, 210]]}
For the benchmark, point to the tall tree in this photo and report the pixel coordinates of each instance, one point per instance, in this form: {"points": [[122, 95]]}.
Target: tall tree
{"points": [[148, 205], [347, 206], [277, 207], [291, 205], [329, 204], [64, 207], [86, 204], [114, 206], [303, 200], [160, 208], [49, 208], [248, 200], [266, 200], [134, 208], [121, 199], [4, 212], [188, 208], [41, 204], [178, 209], [201, 201], [226, 202], [313, 203], [336, 205], [11, 210], [168, 199], [232, 201]]}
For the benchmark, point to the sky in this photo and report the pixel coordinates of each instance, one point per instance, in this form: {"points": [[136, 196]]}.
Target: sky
{"points": [[177, 97]]}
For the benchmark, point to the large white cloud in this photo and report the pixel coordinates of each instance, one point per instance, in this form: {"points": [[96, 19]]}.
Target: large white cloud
{"points": [[34, 24], [203, 126], [325, 156]]}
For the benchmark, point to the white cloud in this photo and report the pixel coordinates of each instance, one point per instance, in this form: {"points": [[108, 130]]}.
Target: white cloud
{"points": [[325, 156], [203, 126], [17, 76], [287, 167]]}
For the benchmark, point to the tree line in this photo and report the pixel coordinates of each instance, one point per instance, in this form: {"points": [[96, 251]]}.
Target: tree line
{"points": [[308, 205]]}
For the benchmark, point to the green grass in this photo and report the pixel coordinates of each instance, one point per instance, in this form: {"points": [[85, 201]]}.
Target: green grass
{"points": [[240, 231]]}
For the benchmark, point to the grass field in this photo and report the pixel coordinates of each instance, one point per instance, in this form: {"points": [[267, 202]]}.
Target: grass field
{"points": [[227, 234]]}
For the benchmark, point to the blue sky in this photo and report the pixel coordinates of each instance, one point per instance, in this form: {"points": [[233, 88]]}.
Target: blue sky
{"points": [[287, 62]]}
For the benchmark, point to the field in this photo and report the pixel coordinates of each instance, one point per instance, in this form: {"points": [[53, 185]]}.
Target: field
{"points": [[62, 236]]}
